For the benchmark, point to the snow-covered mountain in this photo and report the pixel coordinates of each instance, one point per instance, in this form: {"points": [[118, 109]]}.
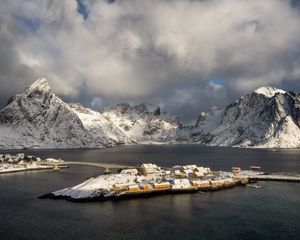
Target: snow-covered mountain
{"points": [[37, 118], [144, 123], [267, 118]]}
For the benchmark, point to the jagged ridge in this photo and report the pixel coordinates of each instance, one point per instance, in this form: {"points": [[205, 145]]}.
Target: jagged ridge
{"points": [[267, 117], [37, 118], [144, 123]]}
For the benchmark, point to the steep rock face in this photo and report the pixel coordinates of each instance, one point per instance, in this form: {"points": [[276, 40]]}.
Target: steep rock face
{"points": [[99, 126], [144, 123], [267, 117], [37, 118]]}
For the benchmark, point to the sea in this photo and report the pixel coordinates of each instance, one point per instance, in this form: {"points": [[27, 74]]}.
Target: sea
{"points": [[271, 212]]}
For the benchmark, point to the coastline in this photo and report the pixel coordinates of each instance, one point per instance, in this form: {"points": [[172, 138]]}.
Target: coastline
{"points": [[26, 170], [147, 194], [5, 149], [143, 194], [32, 169], [22, 162]]}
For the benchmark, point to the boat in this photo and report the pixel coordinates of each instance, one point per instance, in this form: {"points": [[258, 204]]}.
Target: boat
{"points": [[254, 185]]}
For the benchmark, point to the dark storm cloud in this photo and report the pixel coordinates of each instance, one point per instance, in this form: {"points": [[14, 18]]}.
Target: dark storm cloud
{"points": [[13, 74], [166, 52]]}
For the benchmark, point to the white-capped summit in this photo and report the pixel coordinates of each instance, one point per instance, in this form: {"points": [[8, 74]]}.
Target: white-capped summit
{"points": [[41, 85], [269, 91]]}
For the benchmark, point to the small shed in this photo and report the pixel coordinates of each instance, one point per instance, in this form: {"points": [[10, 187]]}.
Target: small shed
{"points": [[120, 187], [162, 185], [145, 187], [235, 169], [133, 188]]}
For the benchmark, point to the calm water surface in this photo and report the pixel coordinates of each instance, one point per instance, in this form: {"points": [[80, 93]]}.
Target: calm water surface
{"points": [[272, 212]]}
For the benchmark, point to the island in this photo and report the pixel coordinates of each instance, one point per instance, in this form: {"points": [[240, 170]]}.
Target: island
{"points": [[149, 179]]}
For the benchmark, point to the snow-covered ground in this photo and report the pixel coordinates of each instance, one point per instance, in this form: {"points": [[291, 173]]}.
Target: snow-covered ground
{"points": [[103, 184], [21, 162], [7, 168]]}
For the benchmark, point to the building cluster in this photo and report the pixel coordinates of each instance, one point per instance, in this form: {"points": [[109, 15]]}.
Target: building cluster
{"points": [[152, 178], [18, 162], [191, 171], [17, 159]]}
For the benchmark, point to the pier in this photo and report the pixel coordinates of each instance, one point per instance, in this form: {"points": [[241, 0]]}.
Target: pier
{"points": [[106, 166], [278, 178]]}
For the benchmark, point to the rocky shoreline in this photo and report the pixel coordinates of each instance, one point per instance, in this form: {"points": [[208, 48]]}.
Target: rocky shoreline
{"points": [[134, 195], [114, 198]]}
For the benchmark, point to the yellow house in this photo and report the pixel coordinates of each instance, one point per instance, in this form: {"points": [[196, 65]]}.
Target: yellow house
{"points": [[145, 187], [160, 186], [216, 183], [120, 187], [200, 183], [133, 188]]}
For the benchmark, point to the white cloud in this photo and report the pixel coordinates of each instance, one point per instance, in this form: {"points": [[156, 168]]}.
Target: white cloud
{"points": [[137, 49]]}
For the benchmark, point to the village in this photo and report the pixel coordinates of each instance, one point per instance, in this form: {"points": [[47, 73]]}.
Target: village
{"points": [[151, 178], [21, 162]]}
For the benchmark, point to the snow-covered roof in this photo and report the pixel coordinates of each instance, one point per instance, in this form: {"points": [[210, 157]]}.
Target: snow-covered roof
{"points": [[187, 171], [189, 166], [181, 181], [130, 171], [149, 166], [199, 174]]}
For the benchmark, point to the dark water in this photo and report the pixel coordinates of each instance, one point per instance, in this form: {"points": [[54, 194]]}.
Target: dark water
{"points": [[272, 212]]}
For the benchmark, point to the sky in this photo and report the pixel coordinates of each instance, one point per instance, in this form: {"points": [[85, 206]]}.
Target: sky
{"points": [[184, 55]]}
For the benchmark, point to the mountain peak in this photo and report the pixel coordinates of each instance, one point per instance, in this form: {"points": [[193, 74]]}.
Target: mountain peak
{"points": [[40, 85], [269, 91], [147, 107]]}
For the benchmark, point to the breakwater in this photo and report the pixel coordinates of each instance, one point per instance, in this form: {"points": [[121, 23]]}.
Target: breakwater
{"points": [[277, 178]]}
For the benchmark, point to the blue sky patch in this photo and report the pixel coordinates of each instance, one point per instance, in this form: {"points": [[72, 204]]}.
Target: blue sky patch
{"points": [[217, 81], [82, 9]]}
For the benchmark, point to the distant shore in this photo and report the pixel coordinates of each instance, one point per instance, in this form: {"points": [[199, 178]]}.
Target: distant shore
{"points": [[22, 163]]}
